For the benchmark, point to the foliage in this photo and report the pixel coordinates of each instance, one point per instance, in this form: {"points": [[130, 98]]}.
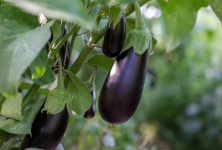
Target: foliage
{"points": [[181, 103]]}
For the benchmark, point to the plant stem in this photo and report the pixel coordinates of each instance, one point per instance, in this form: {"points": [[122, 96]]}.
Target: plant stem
{"points": [[43, 91], [55, 50], [31, 93], [60, 83], [139, 19], [86, 51], [130, 8]]}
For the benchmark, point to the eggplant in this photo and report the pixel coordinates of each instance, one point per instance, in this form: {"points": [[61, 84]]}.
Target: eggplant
{"points": [[91, 112], [47, 131], [114, 38], [122, 89]]}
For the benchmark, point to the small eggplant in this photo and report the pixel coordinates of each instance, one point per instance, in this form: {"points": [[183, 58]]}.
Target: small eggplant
{"points": [[122, 89], [114, 38], [91, 112]]}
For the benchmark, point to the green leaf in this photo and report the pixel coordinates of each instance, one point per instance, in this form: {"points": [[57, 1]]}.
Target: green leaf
{"points": [[7, 144], [101, 61], [47, 78], [179, 19], [69, 10], [20, 44], [90, 85], [24, 126], [12, 107], [38, 66], [56, 32], [12, 144], [115, 15], [56, 101], [94, 12], [216, 5], [82, 98], [140, 40], [4, 136]]}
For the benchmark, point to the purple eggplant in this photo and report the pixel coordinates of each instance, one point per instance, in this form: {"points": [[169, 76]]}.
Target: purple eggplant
{"points": [[122, 89], [47, 131], [91, 112], [114, 38]]}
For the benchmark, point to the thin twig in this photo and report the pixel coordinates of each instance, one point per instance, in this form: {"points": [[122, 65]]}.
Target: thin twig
{"points": [[94, 45]]}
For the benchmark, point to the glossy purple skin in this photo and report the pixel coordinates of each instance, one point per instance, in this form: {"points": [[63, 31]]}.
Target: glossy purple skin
{"points": [[47, 131], [91, 112], [122, 89], [114, 39]]}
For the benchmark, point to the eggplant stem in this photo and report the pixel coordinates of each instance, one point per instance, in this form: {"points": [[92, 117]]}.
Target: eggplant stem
{"points": [[139, 19]]}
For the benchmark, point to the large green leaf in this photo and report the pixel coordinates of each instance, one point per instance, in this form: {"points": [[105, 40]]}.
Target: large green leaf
{"points": [[23, 126], [101, 62], [69, 10], [12, 107], [20, 43], [179, 19], [216, 5], [82, 98]]}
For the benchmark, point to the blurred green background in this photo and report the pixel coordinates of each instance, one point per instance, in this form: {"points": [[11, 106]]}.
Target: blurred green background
{"points": [[181, 105]]}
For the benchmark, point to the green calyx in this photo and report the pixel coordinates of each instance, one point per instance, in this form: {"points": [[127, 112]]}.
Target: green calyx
{"points": [[115, 15], [56, 101], [59, 97], [140, 25], [139, 38]]}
